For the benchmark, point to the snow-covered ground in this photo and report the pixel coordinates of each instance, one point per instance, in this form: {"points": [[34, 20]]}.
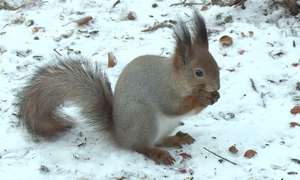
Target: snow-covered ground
{"points": [[244, 118]]}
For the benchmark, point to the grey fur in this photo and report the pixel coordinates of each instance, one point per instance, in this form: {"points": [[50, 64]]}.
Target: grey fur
{"points": [[54, 84]]}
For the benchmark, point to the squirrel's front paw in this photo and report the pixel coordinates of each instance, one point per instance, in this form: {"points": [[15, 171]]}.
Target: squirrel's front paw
{"points": [[176, 141], [214, 97], [204, 101], [208, 98], [184, 138]]}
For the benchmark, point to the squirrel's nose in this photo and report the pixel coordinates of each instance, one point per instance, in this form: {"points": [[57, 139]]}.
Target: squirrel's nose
{"points": [[212, 87]]}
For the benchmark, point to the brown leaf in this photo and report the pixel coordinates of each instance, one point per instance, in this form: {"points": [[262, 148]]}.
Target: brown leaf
{"points": [[250, 153], [233, 149], [295, 64], [37, 29], [251, 33], [185, 155], [182, 171], [295, 110], [243, 34], [226, 40], [231, 70], [112, 61], [204, 8], [131, 15], [278, 54], [214, 137], [241, 52], [293, 124], [83, 20]]}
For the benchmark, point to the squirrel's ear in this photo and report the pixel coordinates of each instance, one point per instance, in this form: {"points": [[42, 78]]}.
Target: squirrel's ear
{"points": [[200, 32], [183, 44]]}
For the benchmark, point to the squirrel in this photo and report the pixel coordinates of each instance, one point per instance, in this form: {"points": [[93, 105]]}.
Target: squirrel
{"points": [[151, 95]]}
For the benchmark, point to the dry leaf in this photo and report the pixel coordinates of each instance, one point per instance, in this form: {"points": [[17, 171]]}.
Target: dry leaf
{"points": [[241, 52], [293, 124], [183, 171], [185, 155], [295, 110], [37, 29], [131, 15], [278, 54], [251, 33], [226, 40], [214, 137], [204, 8], [231, 70], [295, 64], [112, 61], [233, 149], [243, 34], [250, 153], [83, 21]]}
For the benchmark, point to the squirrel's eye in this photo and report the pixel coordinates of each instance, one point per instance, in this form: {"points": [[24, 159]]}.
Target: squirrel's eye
{"points": [[199, 73]]}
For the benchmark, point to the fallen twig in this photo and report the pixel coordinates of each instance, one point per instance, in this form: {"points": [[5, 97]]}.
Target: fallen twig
{"points": [[9, 7], [253, 85], [261, 94], [296, 161], [262, 97], [238, 3], [81, 21], [117, 2], [186, 4], [158, 25], [12, 8], [56, 52], [220, 156]]}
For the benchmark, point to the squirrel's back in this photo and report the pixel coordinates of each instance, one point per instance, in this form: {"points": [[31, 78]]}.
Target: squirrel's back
{"points": [[75, 81]]}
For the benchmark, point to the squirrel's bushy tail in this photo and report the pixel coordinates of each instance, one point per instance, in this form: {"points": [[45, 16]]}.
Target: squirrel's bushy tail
{"points": [[75, 81]]}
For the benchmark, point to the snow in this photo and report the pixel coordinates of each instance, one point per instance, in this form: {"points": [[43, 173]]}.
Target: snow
{"points": [[261, 124]]}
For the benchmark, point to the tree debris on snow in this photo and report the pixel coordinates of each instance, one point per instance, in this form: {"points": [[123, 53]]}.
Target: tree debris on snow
{"points": [[250, 153], [253, 85], [81, 21], [237, 3], [166, 23], [186, 4], [220, 156], [112, 60], [6, 6], [116, 3]]}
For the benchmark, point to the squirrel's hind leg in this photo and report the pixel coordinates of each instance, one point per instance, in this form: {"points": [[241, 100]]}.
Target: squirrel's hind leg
{"points": [[158, 155]]}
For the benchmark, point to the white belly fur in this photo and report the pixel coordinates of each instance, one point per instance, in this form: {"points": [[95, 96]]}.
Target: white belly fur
{"points": [[166, 124]]}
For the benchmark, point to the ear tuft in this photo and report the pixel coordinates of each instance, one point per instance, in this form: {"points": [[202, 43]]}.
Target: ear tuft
{"points": [[183, 42], [200, 31]]}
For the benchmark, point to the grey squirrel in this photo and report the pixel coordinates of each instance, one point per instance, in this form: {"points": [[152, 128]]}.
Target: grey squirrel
{"points": [[151, 95]]}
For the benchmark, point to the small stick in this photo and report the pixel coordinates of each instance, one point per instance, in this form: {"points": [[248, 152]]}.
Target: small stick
{"points": [[262, 95], [56, 52], [253, 85], [220, 156], [117, 2], [158, 25], [262, 98], [185, 4], [241, 3], [294, 43], [5, 26]]}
